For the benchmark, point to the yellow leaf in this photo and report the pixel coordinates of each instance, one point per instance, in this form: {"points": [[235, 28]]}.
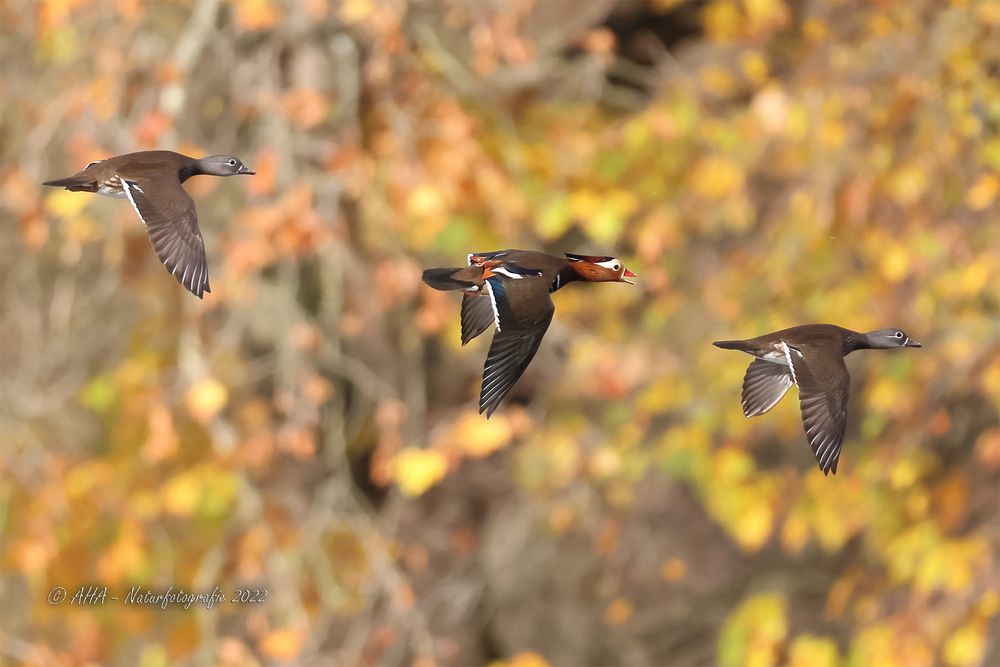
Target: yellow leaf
{"points": [[723, 21], [65, 204], [205, 398], [717, 177], [181, 495], [478, 437], [752, 634], [966, 645], [527, 659], [354, 11], [754, 66], [983, 192], [754, 526], [425, 201], [810, 651], [618, 611], [124, 557], [795, 532], [717, 80], [605, 462], [283, 644], [908, 184], [417, 470], [895, 263], [814, 29]]}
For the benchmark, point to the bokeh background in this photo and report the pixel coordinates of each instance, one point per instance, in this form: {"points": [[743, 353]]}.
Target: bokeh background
{"points": [[310, 428]]}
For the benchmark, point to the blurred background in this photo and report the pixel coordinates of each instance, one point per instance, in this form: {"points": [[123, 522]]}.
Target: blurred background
{"points": [[310, 428]]}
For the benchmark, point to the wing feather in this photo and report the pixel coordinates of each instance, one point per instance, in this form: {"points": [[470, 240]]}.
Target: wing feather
{"points": [[521, 327], [172, 225], [824, 389], [763, 386]]}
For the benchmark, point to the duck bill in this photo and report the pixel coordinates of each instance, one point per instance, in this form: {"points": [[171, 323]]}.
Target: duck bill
{"points": [[246, 170], [628, 274], [912, 343]]}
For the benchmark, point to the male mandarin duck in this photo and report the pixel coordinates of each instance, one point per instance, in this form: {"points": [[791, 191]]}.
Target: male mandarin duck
{"points": [[511, 289], [812, 357], [151, 181]]}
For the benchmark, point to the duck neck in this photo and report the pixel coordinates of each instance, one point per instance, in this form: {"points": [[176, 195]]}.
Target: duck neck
{"points": [[189, 167], [566, 275], [855, 341]]}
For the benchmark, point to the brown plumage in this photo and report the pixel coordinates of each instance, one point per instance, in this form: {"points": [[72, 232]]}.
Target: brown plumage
{"points": [[511, 289], [151, 181], [812, 357]]}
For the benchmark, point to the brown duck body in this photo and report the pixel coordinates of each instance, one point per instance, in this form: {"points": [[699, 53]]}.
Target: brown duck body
{"points": [[151, 181], [104, 176], [823, 337], [812, 357], [512, 289]]}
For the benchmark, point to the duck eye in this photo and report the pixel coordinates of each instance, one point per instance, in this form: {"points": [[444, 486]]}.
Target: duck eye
{"points": [[899, 334], [232, 163], [616, 266]]}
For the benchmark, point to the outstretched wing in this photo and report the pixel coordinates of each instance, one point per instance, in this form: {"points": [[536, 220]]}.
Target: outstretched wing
{"points": [[172, 224], [824, 388], [763, 386], [477, 315], [522, 318]]}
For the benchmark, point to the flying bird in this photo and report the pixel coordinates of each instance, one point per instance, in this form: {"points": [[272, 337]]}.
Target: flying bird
{"points": [[151, 181], [812, 358], [511, 289]]}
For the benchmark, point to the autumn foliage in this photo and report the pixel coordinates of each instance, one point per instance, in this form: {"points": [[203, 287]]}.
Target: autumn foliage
{"points": [[311, 428]]}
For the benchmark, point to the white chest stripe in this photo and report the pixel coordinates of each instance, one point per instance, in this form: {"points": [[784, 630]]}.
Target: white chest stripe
{"points": [[788, 356], [493, 302]]}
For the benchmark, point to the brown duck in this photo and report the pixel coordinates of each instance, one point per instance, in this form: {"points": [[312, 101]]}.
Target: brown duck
{"points": [[812, 357], [511, 289], [151, 181]]}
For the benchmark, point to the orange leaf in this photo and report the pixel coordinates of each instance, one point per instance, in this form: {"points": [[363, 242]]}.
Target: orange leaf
{"points": [[266, 165], [255, 14], [149, 131], [283, 644]]}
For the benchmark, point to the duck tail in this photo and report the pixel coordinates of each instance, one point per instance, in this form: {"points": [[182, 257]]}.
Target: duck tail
{"points": [[74, 184], [445, 280], [730, 344]]}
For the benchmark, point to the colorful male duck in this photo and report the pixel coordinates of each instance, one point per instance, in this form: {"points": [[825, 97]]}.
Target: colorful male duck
{"points": [[511, 288], [812, 357], [151, 181]]}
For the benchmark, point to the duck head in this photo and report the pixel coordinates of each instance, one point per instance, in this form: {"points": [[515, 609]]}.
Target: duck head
{"points": [[224, 165], [887, 338], [597, 269]]}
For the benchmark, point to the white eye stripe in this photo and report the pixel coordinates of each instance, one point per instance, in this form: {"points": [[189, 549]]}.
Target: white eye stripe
{"points": [[612, 264]]}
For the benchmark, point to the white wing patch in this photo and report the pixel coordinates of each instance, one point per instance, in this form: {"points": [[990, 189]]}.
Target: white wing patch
{"points": [[127, 187], [493, 302], [788, 356]]}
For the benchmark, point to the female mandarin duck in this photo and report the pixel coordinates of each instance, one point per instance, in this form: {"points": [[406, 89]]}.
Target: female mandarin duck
{"points": [[511, 289], [151, 181], [812, 357]]}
